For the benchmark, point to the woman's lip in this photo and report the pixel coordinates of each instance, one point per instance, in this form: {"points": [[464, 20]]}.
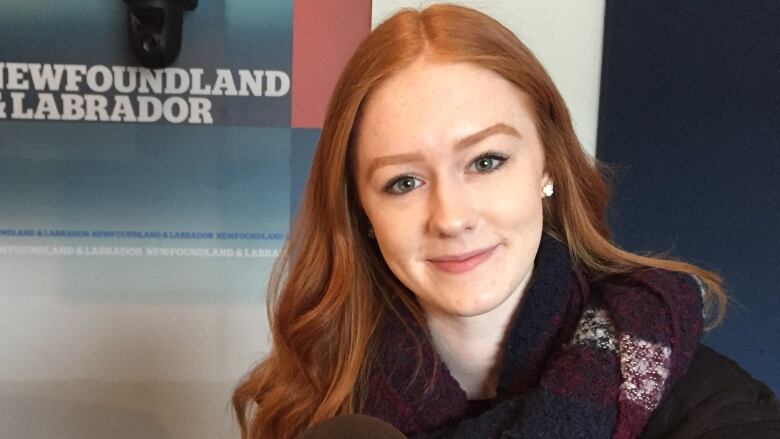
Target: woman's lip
{"points": [[463, 262]]}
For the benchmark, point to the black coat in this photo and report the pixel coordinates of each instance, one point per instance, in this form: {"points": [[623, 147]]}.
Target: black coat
{"points": [[716, 399]]}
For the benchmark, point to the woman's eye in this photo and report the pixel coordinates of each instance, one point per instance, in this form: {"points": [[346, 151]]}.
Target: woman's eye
{"points": [[402, 185], [488, 162]]}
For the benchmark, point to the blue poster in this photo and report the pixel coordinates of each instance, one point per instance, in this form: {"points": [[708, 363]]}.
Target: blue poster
{"points": [[121, 181], [141, 210]]}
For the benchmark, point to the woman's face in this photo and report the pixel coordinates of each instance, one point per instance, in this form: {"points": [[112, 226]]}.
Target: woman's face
{"points": [[450, 170]]}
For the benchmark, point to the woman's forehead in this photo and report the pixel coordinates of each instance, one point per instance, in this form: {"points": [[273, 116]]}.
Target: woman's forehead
{"points": [[441, 102]]}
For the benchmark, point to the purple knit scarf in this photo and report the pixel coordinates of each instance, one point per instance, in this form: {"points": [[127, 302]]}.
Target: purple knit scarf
{"points": [[590, 360]]}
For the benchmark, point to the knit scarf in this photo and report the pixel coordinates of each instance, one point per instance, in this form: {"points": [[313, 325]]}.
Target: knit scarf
{"points": [[582, 359]]}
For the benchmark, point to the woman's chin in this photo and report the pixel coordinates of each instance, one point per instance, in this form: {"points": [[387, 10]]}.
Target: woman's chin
{"points": [[478, 307]]}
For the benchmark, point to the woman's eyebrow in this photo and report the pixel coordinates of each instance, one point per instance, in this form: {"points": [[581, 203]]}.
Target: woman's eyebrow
{"points": [[392, 160], [498, 128]]}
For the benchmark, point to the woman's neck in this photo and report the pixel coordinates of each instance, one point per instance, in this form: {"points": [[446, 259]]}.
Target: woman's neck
{"points": [[471, 346]]}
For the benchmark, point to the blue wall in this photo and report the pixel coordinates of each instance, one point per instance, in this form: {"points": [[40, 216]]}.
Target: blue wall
{"points": [[690, 120]]}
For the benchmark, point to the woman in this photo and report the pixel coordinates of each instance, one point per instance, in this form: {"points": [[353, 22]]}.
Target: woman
{"points": [[450, 271]]}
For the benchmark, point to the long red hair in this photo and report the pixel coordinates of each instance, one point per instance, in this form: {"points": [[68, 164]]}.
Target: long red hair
{"points": [[330, 287]]}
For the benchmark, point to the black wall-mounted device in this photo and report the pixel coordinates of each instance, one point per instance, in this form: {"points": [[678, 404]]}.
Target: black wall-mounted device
{"points": [[155, 29]]}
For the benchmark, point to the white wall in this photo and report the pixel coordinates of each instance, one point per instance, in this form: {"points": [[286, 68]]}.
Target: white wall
{"points": [[566, 36], [74, 369]]}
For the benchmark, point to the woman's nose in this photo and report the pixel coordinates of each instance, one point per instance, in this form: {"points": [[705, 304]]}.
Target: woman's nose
{"points": [[451, 211]]}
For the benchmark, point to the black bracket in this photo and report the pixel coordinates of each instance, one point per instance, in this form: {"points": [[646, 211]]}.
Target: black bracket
{"points": [[155, 28]]}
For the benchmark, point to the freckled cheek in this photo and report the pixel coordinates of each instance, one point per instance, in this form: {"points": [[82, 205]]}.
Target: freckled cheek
{"points": [[398, 246], [514, 213], [396, 226], [395, 252], [403, 264]]}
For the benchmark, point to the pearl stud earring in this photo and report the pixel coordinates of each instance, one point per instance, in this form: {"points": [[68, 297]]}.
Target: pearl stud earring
{"points": [[548, 189]]}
